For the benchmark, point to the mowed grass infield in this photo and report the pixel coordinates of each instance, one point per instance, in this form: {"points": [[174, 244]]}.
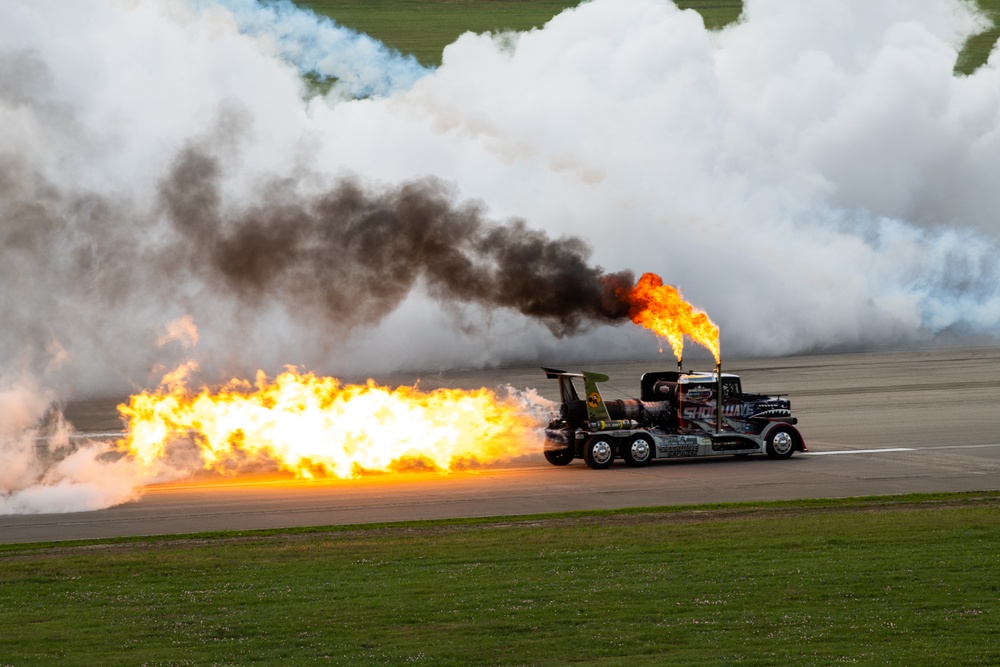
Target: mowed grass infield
{"points": [[909, 580]]}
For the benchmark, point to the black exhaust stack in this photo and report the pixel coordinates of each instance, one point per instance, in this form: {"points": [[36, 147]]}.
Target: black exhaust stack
{"points": [[718, 397]]}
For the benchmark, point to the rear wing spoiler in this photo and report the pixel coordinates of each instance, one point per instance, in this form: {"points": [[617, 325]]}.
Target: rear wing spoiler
{"points": [[596, 410]]}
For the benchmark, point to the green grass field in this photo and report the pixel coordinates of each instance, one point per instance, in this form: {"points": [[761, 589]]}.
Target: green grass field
{"points": [[977, 48], [903, 581], [425, 27]]}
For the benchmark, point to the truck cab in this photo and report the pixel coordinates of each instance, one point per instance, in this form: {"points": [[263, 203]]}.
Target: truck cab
{"points": [[677, 414]]}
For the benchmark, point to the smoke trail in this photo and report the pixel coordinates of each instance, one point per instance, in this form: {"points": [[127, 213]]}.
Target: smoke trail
{"points": [[357, 254], [361, 66]]}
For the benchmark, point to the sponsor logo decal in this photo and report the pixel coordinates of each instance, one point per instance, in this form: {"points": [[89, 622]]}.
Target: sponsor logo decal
{"points": [[700, 393]]}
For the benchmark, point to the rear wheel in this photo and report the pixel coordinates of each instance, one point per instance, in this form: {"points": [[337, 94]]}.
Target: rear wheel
{"points": [[599, 452], [780, 443], [559, 457], [638, 450]]}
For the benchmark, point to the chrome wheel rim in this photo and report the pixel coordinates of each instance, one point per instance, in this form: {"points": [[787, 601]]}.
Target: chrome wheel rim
{"points": [[640, 450], [782, 443], [602, 452]]}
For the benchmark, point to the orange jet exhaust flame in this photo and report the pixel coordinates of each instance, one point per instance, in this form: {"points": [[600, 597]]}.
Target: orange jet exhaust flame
{"points": [[661, 309], [315, 426]]}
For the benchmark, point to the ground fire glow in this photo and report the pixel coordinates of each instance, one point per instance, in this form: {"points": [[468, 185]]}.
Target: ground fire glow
{"points": [[317, 427], [661, 309]]}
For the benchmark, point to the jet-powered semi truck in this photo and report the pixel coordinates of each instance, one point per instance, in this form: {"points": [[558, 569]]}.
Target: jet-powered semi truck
{"points": [[678, 414]]}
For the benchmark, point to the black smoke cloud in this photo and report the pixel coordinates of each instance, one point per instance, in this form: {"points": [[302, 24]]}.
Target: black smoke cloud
{"points": [[353, 254]]}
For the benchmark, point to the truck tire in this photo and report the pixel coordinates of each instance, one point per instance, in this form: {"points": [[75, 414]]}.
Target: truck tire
{"points": [[638, 451], [559, 457], [599, 452], [780, 443]]}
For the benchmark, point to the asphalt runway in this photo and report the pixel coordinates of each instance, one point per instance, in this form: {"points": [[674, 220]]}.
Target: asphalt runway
{"points": [[878, 423]]}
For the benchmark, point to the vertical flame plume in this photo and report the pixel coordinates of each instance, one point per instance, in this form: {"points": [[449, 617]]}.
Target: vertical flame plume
{"points": [[661, 309], [315, 426]]}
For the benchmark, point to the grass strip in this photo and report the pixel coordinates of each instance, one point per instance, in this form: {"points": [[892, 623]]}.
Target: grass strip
{"points": [[900, 580], [425, 27], [716, 13], [977, 48]]}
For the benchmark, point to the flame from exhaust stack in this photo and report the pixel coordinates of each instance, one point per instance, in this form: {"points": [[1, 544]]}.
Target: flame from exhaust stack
{"points": [[663, 310], [315, 426]]}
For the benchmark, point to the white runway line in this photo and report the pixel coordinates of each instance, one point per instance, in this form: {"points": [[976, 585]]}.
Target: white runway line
{"points": [[896, 449], [860, 451], [996, 444]]}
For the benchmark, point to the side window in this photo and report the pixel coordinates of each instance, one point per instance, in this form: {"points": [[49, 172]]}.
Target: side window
{"points": [[730, 389]]}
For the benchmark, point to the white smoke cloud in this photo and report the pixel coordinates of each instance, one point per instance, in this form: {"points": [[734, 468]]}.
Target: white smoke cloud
{"points": [[359, 65], [813, 176], [46, 468]]}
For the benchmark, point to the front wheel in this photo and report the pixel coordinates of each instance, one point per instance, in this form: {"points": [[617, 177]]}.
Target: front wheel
{"points": [[599, 452], [638, 451], [559, 457], [780, 443]]}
